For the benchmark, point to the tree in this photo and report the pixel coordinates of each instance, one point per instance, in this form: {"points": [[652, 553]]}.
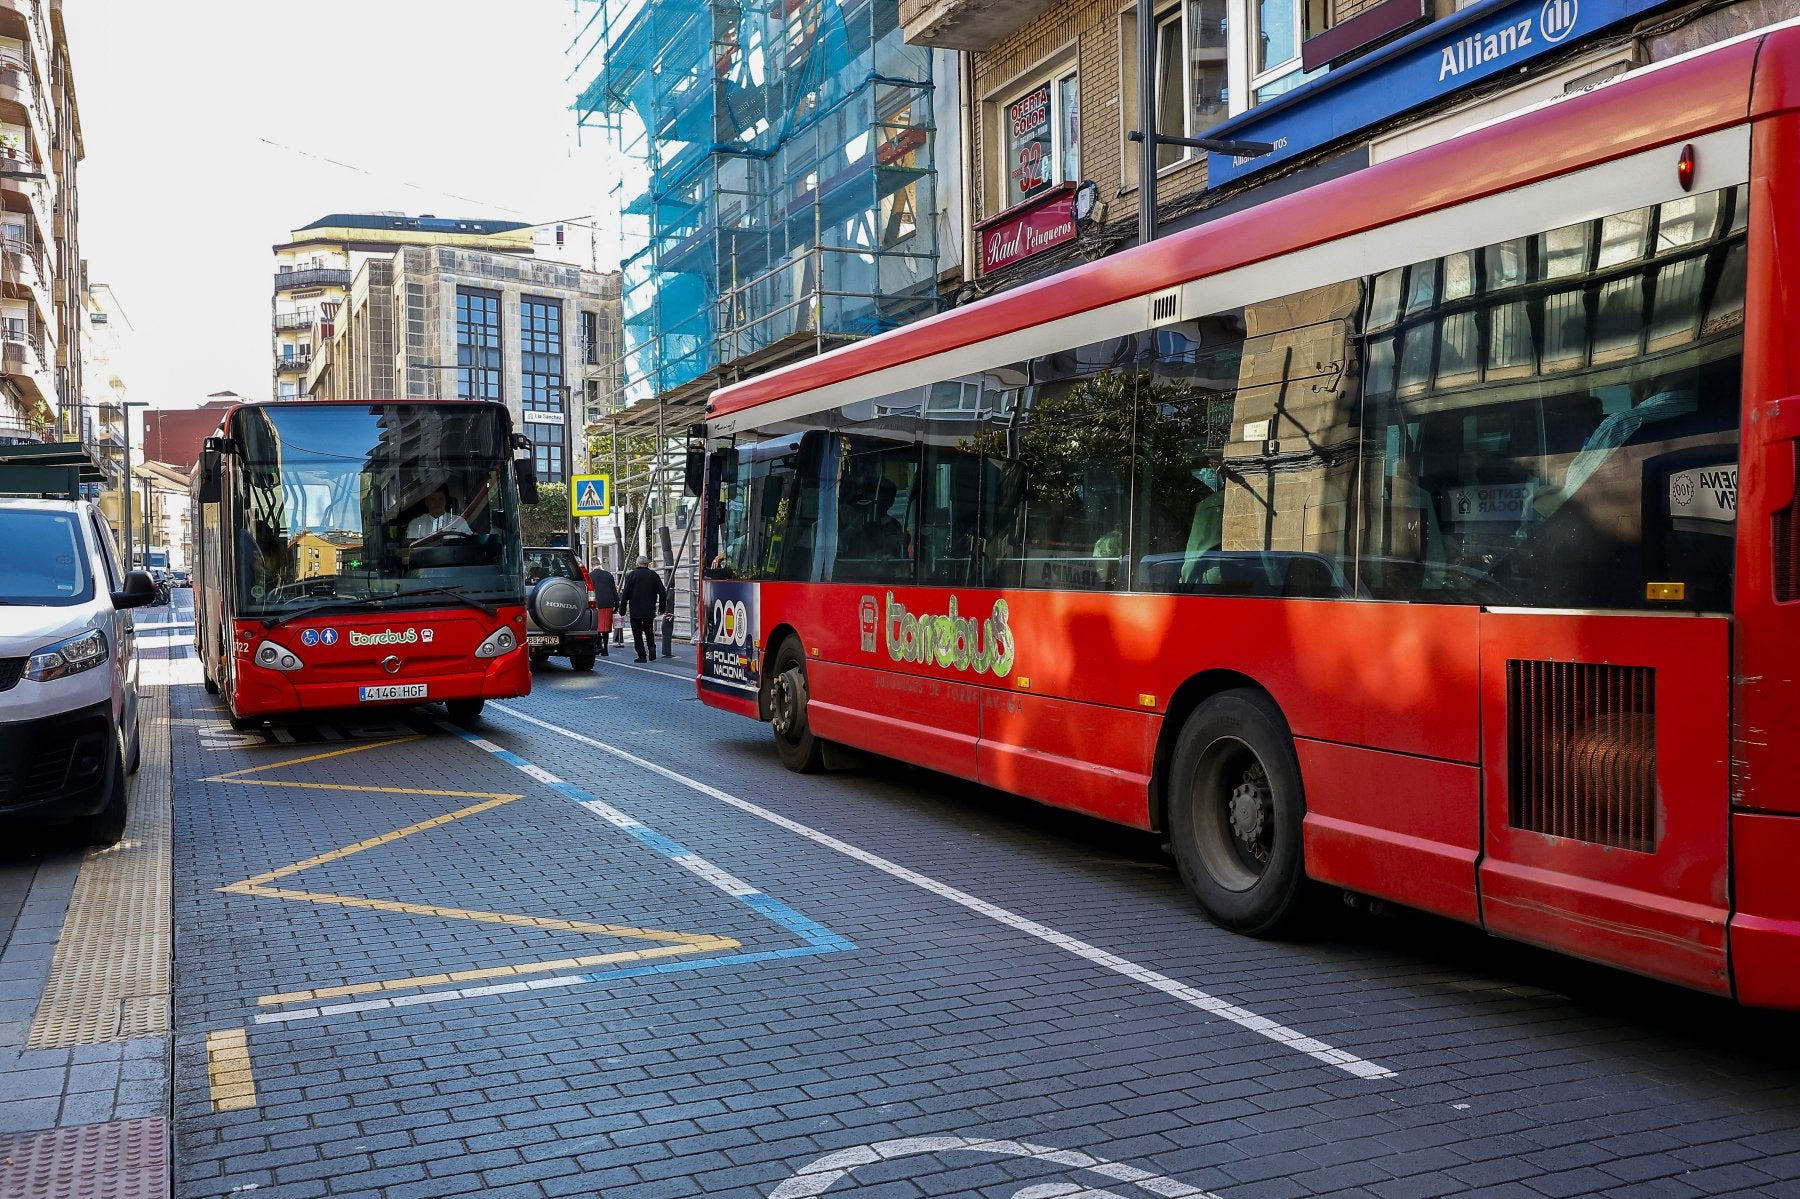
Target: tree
{"points": [[548, 519]]}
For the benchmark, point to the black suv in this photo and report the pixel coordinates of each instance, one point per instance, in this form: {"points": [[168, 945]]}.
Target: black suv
{"points": [[560, 612]]}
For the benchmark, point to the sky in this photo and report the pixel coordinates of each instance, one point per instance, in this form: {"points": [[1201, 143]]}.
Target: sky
{"points": [[213, 128]]}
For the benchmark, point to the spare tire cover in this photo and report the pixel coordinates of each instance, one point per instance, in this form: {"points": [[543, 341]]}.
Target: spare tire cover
{"points": [[556, 604]]}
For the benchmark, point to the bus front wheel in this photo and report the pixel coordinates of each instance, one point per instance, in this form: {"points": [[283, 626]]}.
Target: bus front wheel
{"points": [[1235, 810], [464, 713], [795, 744]]}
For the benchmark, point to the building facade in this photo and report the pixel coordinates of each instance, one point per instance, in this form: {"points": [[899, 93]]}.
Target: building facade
{"points": [[443, 322], [780, 191], [1290, 93], [98, 420], [42, 311], [315, 267]]}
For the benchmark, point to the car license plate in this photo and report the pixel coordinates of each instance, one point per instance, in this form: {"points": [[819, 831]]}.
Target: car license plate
{"points": [[393, 691], [542, 639]]}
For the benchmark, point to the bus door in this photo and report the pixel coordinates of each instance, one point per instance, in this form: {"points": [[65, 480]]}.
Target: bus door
{"points": [[1605, 773], [1606, 693]]}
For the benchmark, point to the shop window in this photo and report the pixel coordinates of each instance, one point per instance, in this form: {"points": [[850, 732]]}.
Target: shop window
{"points": [[1040, 137]]}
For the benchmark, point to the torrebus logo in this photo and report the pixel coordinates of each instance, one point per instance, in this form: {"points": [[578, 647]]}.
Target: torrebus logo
{"points": [[950, 640], [385, 637]]}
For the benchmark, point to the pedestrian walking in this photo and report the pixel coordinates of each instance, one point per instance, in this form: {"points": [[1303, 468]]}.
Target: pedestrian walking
{"points": [[642, 597], [606, 601]]}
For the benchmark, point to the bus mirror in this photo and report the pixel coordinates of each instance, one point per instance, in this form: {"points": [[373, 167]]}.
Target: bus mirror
{"points": [[209, 477], [696, 469], [526, 472]]}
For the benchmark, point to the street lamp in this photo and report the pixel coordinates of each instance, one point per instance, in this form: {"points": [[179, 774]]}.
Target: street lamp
{"points": [[568, 427]]}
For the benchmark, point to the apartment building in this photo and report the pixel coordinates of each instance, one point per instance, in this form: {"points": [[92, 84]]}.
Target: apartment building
{"points": [[1279, 94], [442, 321], [315, 267], [42, 311]]}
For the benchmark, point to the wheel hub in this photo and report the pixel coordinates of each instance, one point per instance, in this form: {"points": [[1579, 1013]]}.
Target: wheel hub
{"points": [[1251, 807], [784, 695]]}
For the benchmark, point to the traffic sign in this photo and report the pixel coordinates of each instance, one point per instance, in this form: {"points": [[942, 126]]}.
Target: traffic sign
{"points": [[591, 495]]}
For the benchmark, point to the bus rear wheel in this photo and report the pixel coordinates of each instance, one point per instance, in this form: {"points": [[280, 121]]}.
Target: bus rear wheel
{"points": [[795, 744], [1235, 810]]}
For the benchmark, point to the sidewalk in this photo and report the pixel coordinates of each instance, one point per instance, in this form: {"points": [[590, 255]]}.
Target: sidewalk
{"points": [[85, 998]]}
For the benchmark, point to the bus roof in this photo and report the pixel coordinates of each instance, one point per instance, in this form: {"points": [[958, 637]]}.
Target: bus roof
{"points": [[1670, 102]]}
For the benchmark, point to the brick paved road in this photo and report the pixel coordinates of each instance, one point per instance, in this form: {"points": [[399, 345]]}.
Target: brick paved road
{"points": [[579, 976]]}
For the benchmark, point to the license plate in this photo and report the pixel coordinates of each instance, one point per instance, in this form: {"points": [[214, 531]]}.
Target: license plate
{"points": [[537, 639], [393, 691]]}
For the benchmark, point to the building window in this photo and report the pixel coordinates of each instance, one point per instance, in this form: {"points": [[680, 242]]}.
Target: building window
{"points": [[478, 375], [547, 451], [590, 338], [541, 374], [1191, 77], [1040, 130], [1276, 28]]}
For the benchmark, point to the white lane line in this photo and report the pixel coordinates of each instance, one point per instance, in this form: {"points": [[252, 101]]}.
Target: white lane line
{"points": [[1212, 1005], [293, 1015]]}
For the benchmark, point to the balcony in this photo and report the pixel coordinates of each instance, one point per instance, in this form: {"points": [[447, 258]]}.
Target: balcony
{"points": [[23, 265], [317, 276], [967, 24], [295, 365], [288, 321], [21, 340]]}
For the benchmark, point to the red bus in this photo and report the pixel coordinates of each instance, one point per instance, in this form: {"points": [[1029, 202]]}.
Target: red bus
{"points": [[355, 555], [1385, 538]]}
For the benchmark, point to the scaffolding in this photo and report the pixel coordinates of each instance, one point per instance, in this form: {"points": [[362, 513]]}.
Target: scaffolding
{"points": [[775, 179]]}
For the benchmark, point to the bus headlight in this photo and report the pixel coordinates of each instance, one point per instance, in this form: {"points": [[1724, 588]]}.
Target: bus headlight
{"points": [[277, 657], [498, 643], [83, 651]]}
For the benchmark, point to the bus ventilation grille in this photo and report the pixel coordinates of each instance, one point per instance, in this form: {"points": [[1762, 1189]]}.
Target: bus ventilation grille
{"points": [[1787, 545], [1581, 752]]}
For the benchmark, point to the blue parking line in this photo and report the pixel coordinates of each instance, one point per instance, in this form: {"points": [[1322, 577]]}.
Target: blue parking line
{"points": [[819, 939]]}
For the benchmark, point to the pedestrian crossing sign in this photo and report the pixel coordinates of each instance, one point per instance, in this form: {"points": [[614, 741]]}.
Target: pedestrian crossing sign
{"points": [[591, 496]]}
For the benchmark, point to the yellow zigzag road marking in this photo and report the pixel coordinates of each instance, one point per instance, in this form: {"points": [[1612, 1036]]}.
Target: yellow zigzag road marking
{"points": [[671, 943]]}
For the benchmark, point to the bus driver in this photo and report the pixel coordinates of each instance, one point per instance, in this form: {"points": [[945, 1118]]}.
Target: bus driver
{"points": [[437, 520]]}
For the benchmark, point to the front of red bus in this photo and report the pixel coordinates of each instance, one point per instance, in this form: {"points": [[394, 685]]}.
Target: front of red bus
{"points": [[371, 557]]}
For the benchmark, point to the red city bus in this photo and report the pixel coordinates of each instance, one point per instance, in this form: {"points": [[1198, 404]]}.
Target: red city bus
{"points": [[1384, 537], [354, 555]]}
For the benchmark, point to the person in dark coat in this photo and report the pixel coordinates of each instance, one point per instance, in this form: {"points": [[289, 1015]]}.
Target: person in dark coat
{"points": [[641, 598], [606, 601]]}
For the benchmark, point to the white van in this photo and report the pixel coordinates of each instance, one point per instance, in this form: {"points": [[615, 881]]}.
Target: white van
{"points": [[68, 668]]}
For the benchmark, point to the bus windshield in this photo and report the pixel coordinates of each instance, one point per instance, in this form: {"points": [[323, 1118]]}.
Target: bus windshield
{"points": [[343, 503]]}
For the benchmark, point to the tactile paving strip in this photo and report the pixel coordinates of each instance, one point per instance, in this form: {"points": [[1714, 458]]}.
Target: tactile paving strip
{"points": [[110, 979], [127, 1159]]}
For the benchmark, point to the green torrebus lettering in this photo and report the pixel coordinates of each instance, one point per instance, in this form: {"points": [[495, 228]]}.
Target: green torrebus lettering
{"points": [[951, 640]]}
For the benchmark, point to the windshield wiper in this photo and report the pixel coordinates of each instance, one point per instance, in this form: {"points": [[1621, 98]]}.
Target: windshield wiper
{"points": [[330, 604], [470, 600]]}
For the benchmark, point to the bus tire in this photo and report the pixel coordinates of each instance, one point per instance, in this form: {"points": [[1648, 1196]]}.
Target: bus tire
{"points": [[795, 744], [1235, 811], [464, 713], [212, 688]]}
